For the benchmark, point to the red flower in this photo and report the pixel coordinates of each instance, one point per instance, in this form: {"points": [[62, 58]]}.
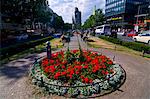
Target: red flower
{"points": [[94, 70], [51, 61], [103, 57], [95, 61], [103, 72], [110, 62], [111, 71], [58, 66], [91, 81], [86, 66], [57, 75], [77, 62], [103, 60], [82, 77], [63, 73], [61, 53], [45, 62], [75, 51], [63, 67], [86, 80], [104, 66], [78, 67], [70, 76], [77, 72], [106, 72], [71, 72], [46, 69], [55, 55], [64, 62]]}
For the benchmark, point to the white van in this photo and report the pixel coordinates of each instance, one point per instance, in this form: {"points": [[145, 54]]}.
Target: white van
{"points": [[103, 30]]}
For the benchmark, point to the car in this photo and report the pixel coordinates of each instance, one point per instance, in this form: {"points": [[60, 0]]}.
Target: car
{"points": [[143, 37], [19, 37], [121, 33], [131, 34], [57, 35]]}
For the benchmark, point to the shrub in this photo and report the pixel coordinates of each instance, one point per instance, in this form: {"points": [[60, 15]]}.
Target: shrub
{"points": [[13, 49], [132, 45]]}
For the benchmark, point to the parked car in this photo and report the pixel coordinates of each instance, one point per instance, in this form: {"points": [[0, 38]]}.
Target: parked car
{"points": [[132, 33], [57, 35], [121, 33], [144, 37], [21, 36]]}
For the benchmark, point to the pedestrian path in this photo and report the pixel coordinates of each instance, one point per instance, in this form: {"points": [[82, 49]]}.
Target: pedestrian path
{"points": [[73, 44], [14, 75]]}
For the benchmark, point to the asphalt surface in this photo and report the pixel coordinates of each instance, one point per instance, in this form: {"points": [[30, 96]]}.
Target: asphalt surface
{"points": [[14, 76]]}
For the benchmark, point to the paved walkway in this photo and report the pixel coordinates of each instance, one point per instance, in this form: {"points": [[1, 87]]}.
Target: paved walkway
{"points": [[14, 75]]}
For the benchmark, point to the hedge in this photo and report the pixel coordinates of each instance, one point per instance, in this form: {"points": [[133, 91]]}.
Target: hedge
{"points": [[132, 45], [13, 49]]}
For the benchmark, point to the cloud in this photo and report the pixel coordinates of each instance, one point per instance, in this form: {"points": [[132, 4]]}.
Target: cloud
{"points": [[65, 8]]}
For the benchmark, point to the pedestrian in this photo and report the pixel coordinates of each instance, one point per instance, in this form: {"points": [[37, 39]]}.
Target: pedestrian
{"points": [[63, 39], [81, 35]]}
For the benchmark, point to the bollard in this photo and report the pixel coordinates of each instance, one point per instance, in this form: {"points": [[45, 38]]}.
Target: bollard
{"points": [[35, 60], [48, 49]]}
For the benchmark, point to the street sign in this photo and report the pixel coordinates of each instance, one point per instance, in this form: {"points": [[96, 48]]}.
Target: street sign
{"points": [[141, 15]]}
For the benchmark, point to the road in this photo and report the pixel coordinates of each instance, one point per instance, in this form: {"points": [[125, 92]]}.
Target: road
{"points": [[14, 83], [15, 41]]}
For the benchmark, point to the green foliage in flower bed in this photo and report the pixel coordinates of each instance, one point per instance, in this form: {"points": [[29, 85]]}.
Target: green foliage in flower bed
{"points": [[132, 45], [73, 66], [13, 49], [78, 89]]}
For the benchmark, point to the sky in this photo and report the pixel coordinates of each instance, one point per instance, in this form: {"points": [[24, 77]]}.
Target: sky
{"points": [[66, 8]]}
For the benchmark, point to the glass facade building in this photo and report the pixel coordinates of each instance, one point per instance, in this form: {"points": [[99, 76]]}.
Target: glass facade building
{"points": [[121, 13], [114, 7]]}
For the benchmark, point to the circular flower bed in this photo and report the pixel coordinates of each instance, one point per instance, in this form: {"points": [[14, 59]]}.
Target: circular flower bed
{"points": [[77, 73]]}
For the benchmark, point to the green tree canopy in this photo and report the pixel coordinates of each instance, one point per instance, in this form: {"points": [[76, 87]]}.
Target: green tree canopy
{"points": [[94, 20], [58, 22], [67, 26], [36, 10]]}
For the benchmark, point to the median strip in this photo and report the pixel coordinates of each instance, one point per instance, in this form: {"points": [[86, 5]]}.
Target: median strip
{"points": [[115, 44]]}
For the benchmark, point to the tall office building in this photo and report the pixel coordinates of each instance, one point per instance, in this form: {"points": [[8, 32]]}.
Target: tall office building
{"points": [[121, 13], [77, 18]]}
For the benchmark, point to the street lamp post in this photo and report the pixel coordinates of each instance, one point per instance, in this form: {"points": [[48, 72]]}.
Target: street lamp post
{"points": [[137, 27], [149, 9], [48, 47], [149, 17]]}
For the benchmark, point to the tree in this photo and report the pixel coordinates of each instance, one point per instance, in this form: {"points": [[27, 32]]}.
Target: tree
{"points": [[33, 10], [58, 22], [99, 17], [67, 26], [94, 20]]}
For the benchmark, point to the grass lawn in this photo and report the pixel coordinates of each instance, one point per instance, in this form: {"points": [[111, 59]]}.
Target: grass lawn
{"points": [[100, 43]]}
